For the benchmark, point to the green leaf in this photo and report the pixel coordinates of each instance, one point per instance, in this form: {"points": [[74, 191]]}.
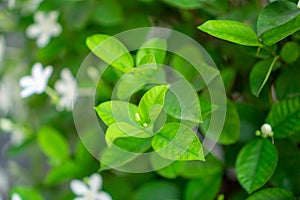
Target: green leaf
{"points": [[171, 170], [184, 4], [62, 172], [52, 143], [152, 103], [275, 14], [231, 129], [287, 173], [157, 190], [110, 50], [156, 47], [272, 194], [278, 33], [232, 31], [260, 74], [177, 142], [290, 52], [27, 193], [107, 13], [122, 129], [255, 164], [117, 111], [206, 187], [284, 117], [147, 59], [198, 169], [124, 151]]}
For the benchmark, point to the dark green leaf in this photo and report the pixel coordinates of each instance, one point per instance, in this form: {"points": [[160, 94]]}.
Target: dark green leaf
{"points": [[108, 13], [272, 194], [27, 193], [284, 117], [290, 52], [255, 164], [184, 4], [232, 31], [276, 14], [260, 74]]}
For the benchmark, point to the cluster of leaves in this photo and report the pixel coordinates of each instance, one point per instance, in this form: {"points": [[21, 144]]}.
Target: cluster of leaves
{"points": [[260, 73]]}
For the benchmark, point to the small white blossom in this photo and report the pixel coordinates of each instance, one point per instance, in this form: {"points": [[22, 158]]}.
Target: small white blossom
{"points": [[11, 4], [37, 82], [16, 196], [298, 5], [266, 129], [44, 28], [91, 190], [66, 87]]}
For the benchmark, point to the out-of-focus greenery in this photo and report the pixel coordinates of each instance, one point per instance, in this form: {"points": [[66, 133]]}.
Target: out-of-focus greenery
{"points": [[257, 54]]}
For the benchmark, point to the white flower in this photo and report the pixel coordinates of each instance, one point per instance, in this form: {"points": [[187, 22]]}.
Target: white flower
{"points": [[298, 5], [15, 196], [266, 129], [37, 82], [66, 87], [44, 28], [90, 191], [11, 4]]}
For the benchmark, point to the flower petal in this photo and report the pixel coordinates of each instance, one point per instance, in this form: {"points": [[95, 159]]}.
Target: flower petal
{"points": [[56, 29], [37, 70], [15, 196], [26, 81], [43, 40], [80, 198], [95, 182], [78, 187], [103, 196], [27, 92], [53, 15], [33, 31], [39, 16]]}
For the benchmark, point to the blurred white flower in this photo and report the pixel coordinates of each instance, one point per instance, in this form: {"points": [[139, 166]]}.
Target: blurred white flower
{"points": [[44, 28], [90, 191], [66, 87], [11, 4], [37, 82], [298, 5], [17, 135], [16, 196]]}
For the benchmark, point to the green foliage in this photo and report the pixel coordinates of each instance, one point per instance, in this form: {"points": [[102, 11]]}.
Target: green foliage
{"points": [[28, 193], [232, 31], [255, 164], [110, 50], [284, 117], [272, 194]]}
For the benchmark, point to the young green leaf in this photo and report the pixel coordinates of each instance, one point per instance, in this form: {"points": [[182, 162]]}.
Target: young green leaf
{"points": [[107, 13], [151, 104], [156, 47], [275, 14], [272, 194], [255, 164], [177, 142], [110, 50], [117, 111], [123, 129], [52, 143], [284, 117], [232, 31], [260, 74]]}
